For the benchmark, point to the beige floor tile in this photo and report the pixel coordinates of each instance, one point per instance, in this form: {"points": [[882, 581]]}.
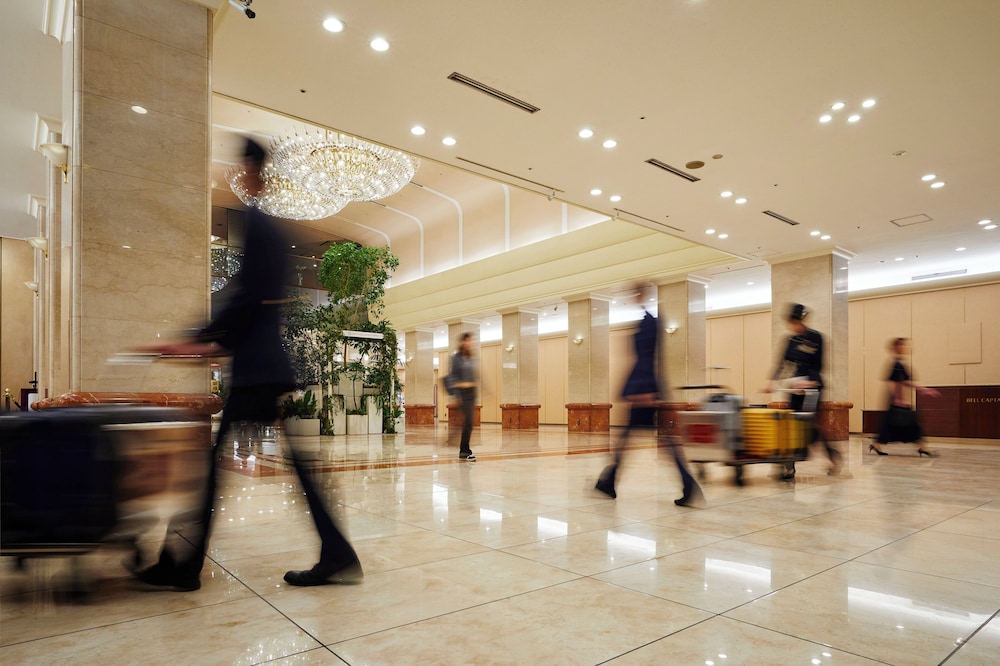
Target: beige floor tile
{"points": [[729, 520], [579, 622], [720, 576], [335, 613], [833, 537], [516, 530], [318, 656], [956, 556], [246, 631], [602, 550], [895, 616], [977, 523], [720, 641], [980, 650]]}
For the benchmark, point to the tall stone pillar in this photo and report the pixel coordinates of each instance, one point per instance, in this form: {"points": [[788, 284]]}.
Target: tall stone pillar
{"points": [[681, 310], [455, 331], [419, 388], [820, 284], [137, 199], [519, 370], [589, 348]]}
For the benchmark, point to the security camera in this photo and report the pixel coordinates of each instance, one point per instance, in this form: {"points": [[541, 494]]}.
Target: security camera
{"points": [[250, 13], [244, 6]]}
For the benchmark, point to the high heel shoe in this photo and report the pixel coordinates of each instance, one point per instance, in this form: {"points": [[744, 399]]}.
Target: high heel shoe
{"points": [[872, 447], [929, 454]]}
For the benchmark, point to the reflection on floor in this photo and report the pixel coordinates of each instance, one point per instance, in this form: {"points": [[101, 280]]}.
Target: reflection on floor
{"points": [[514, 560]]}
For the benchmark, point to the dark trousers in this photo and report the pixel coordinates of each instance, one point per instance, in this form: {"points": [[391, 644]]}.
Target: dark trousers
{"points": [[468, 398], [259, 404], [796, 402], [638, 417]]}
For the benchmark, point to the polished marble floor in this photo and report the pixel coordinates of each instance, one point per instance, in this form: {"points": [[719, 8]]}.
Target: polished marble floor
{"points": [[515, 560]]}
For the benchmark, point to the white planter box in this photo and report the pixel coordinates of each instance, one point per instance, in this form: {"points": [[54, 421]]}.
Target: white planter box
{"points": [[357, 424], [308, 427], [400, 424], [339, 423], [291, 426], [374, 416]]}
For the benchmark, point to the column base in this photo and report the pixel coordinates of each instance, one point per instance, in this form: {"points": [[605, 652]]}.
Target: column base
{"points": [[589, 417], [418, 415], [519, 417]]}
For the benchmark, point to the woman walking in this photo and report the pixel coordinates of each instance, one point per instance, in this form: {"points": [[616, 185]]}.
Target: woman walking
{"points": [[900, 423]]}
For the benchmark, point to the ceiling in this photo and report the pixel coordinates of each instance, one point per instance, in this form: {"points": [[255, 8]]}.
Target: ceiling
{"points": [[738, 86]]}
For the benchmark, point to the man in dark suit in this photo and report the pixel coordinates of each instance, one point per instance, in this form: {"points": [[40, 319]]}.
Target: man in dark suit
{"points": [[248, 328]]}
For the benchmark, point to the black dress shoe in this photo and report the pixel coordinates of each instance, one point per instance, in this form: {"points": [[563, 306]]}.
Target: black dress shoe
{"points": [[162, 576], [606, 488], [326, 575]]}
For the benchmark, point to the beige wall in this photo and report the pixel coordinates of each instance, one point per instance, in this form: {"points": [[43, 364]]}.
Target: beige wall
{"points": [[16, 316], [553, 379]]}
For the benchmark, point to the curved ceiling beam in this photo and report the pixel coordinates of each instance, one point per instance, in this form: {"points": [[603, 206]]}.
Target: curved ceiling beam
{"points": [[461, 224], [420, 225]]}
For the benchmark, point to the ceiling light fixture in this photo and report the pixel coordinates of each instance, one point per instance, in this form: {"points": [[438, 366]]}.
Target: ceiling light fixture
{"points": [[709, 231], [985, 222], [141, 110], [723, 236], [825, 237], [610, 143], [595, 191], [726, 194], [989, 227], [825, 118], [741, 200], [898, 259], [342, 167], [333, 25], [959, 249], [853, 118], [928, 177], [814, 233], [379, 44], [837, 106], [585, 133], [449, 141], [868, 103], [417, 130], [616, 197], [280, 197], [938, 185]]}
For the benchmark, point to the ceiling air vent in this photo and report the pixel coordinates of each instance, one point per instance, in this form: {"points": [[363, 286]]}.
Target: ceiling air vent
{"points": [[493, 92], [763, 252], [930, 276], [674, 170], [911, 220], [619, 212], [786, 220]]}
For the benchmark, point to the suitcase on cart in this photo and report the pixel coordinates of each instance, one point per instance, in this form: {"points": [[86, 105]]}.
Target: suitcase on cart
{"points": [[71, 478]]}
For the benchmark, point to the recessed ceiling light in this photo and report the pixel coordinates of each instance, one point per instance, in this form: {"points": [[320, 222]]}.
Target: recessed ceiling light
{"points": [[938, 184], [726, 194], [709, 231], [723, 236], [868, 103], [843, 268], [585, 133], [959, 249], [380, 44], [825, 118], [333, 25], [449, 141], [838, 106], [610, 143], [126, 247], [616, 197], [141, 110], [417, 130], [814, 233], [898, 259], [741, 200], [825, 237], [293, 247], [854, 118], [990, 227], [928, 177], [595, 191], [749, 284], [985, 221]]}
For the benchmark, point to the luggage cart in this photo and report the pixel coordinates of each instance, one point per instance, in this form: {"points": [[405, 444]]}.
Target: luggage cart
{"points": [[73, 479], [725, 432]]}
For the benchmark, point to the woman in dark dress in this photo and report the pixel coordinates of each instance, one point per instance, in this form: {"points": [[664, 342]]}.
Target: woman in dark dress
{"points": [[900, 423]]}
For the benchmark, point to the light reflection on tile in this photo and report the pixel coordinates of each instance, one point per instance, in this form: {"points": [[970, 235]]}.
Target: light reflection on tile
{"points": [[490, 556]]}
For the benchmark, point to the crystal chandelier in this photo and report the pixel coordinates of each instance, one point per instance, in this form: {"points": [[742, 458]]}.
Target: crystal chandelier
{"points": [[342, 167], [280, 197]]}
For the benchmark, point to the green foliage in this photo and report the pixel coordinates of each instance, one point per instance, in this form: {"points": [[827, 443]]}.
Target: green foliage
{"points": [[303, 407], [355, 277]]}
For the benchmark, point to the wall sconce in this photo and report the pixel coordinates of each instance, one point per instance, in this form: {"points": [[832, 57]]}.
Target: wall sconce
{"points": [[577, 340], [33, 286], [39, 243], [509, 348], [58, 154], [409, 358], [671, 330]]}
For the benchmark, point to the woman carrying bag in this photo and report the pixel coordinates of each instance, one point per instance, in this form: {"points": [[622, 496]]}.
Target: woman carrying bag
{"points": [[900, 423]]}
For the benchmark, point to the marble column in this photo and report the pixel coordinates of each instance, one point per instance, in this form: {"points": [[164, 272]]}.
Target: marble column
{"points": [[419, 389], [455, 330], [681, 310], [820, 284], [589, 348], [137, 200], [519, 370]]}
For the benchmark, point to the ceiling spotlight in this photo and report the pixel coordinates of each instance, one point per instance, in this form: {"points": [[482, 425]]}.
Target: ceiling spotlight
{"points": [[741, 200], [825, 237], [989, 227], [838, 106], [814, 233], [868, 103], [709, 231], [928, 177], [749, 284], [854, 118], [244, 6], [449, 141], [379, 44], [726, 194], [610, 143], [898, 259], [417, 130], [616, 198], [595, 191], [723, 236], [959, 249], [985, 221], [938, 184], [141, 110], [585, 133], [333, 25], [825, 118]]}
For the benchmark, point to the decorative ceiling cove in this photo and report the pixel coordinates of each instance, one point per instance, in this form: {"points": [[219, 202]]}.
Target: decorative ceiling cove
{"points": [[593, 259]]}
